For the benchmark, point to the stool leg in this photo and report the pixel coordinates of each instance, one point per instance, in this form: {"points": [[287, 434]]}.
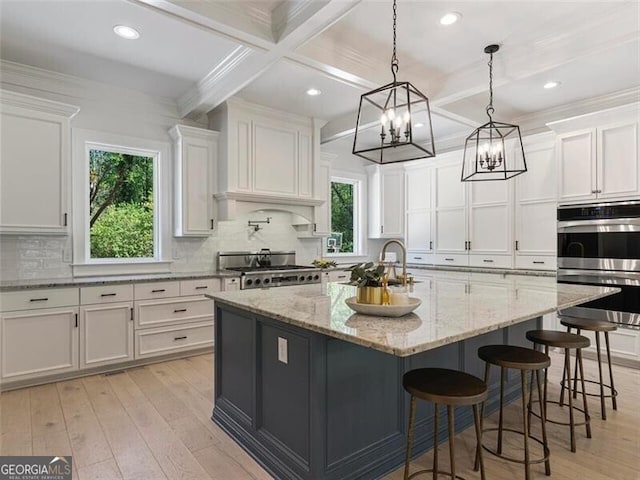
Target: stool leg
{"points": [[478, 461], [567, 367], [499, 449], [523, 384], [476, 421], [546, 380], [603, 410], [543, 419], [575, 374], [564, 377], [412, 418], [452, 447], [435, 442], [614, 394], [529, 406], [587, 419]]}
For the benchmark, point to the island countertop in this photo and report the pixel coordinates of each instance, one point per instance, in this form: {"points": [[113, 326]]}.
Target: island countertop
{"points": [[455, 306]]}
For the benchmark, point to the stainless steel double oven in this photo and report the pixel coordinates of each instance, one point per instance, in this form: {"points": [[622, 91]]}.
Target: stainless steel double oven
{"points": [[599, 244]]}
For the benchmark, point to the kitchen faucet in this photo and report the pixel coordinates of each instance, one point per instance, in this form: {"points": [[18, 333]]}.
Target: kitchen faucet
{"points": [[404, 257]]}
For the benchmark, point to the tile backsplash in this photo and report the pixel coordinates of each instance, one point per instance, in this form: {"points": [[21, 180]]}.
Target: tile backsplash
{"points": [[38, 256]]}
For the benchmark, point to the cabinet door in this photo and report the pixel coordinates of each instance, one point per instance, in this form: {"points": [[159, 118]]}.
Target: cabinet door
{"points": [[450, 216], [34, 170], [577, 166], [392, 190], [618, 161], [195, 161], [418, 188], [418, 236], [490, 218], [39, 343], [106, 334]]}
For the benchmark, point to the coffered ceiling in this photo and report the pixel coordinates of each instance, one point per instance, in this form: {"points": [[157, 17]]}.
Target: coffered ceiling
{"points": [[199, 53]]}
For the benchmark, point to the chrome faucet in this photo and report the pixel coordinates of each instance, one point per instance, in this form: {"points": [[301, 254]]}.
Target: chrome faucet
{"points": [[404, 257]]}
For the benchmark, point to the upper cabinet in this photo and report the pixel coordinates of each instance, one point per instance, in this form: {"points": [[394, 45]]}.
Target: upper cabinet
{"points": [[419, 213], [386, 201], [598, 156], [195, 161], [35, 166], [265, 155]]}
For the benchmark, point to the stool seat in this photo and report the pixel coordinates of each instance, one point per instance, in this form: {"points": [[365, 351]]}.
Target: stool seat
{"points": [[589, 324], [512, 356], [554, 338], [444, 386]]}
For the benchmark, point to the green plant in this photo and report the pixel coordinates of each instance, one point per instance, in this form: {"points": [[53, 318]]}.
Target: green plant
{"points": [[323, 263], [366, 274], [124, 230]]}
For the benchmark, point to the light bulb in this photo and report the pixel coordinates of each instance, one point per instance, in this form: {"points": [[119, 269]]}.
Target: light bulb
{"points": [[391, 114], [383, 119], [407, 117]]}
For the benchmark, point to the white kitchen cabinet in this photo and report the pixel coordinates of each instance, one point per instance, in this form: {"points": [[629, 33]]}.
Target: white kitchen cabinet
{"points": [[419, 214], [473, 220], [37, 343], [35, 164], [266, 156], [106, 334], [535, 209], [386, 201], [597, 156], [195, 164], [322, 213], [231, 284]]}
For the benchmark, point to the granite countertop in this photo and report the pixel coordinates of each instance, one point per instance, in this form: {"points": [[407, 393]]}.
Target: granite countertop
{"points": [[26, 284], [455, 306]]}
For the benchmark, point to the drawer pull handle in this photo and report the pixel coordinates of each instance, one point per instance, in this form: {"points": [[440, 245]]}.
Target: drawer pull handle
{"points": [[180, 338], [201, 287], [178, 310], [44, 299], [538, 263], [342, 276], [449, 259], [488, 261], [108, 295], [158, 290], [417, 258]]}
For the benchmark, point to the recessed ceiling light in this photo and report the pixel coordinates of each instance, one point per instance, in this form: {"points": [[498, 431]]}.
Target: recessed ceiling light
{"points": [[126, 32], [450, 18], [551, 84], [313, 92], [418, 125]]}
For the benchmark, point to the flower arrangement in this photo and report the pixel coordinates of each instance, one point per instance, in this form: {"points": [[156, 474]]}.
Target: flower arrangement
{"points": [[323, 263], [366, 274]]}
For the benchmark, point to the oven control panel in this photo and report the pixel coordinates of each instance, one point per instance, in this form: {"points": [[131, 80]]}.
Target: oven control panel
{"points": [[279, 279]]}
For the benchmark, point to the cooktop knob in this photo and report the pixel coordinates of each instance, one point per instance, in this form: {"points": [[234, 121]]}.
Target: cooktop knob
{"points": [[258, 281], [249, 282], [267, 280]]}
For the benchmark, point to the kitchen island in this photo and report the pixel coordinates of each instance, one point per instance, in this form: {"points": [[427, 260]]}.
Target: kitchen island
{"points": [[314, 391]]}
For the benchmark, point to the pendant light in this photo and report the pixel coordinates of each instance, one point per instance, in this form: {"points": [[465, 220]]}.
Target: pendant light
{"points": [[394, 121], [493, 151]]}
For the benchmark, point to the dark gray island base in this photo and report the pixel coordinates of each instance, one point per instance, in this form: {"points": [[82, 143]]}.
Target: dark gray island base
{"points": [[336, 410]]}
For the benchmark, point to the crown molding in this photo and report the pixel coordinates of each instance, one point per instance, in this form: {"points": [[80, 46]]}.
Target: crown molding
{"points": [[288, 12], [14, 99], [178, 131]]}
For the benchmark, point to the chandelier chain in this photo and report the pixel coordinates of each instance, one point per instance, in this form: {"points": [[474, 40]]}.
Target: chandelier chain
{"points": [[394, 58], [490, 108]]}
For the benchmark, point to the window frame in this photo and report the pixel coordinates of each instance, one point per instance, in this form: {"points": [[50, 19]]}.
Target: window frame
{"points": [[359, 213], [83, 264]]}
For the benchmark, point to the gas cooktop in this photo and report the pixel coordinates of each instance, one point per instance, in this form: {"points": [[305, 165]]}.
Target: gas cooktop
{"points": [[265, 268]]}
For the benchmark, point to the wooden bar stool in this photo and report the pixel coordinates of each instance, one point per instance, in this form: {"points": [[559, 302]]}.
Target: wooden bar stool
{"points": [[567, 341], [596, 326], [450, 388], [523, 359]]}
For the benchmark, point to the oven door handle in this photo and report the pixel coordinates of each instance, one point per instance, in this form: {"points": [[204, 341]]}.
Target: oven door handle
{"points": [[600, 278], [602, 225]]}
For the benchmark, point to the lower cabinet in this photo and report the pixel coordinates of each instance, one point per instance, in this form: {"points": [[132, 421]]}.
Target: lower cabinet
{"points": [[106, 334], [161, 341], [38, 342]]}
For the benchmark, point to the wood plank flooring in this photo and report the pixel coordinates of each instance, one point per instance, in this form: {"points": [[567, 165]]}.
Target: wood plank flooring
{"points": [[153, 423]]}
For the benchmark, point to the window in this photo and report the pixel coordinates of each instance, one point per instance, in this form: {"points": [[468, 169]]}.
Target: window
{"points": [[345, 217], [120, 204]]}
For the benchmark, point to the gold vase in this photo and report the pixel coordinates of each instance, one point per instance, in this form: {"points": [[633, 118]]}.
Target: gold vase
{"points": [[370, 295]]}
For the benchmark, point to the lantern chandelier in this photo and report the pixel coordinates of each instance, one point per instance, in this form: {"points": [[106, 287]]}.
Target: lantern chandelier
{"points": [[394, 121], [494, 150]]}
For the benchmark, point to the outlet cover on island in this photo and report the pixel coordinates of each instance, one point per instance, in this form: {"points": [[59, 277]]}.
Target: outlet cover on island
{"points": [[283, 353]]}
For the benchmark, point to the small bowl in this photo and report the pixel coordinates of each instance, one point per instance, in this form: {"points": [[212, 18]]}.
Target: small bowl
{"points": [[383, 310]]}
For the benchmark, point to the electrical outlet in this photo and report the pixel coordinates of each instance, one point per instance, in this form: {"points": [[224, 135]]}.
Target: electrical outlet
{"points": [[283, 350]]}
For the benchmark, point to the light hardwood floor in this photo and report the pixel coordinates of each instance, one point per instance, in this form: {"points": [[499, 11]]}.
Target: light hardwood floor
{"points": [[153, 423]]}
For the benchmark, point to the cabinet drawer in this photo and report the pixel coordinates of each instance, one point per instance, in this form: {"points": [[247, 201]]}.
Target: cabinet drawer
{"points": [[532, 262], [231, 284], [145, 291], [452, 259], [199, 287], [151, 313], [420, 258], [161, 341], [106, 294], [490, 261], [339, 276], [31, 299]]}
